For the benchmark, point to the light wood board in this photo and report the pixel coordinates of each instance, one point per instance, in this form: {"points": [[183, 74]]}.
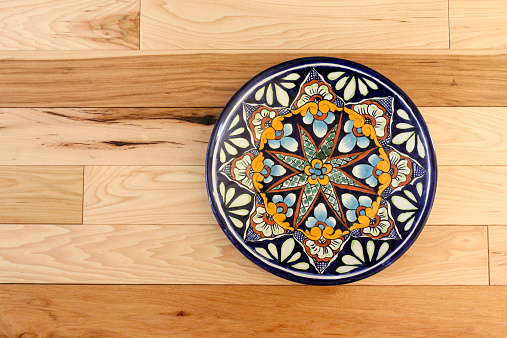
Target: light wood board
{"points": [[41, 194], [69, 25], [498, 254], [179, 136], [328, 24], [177, 195], [205, 310], [201, 254], [478, 24]]}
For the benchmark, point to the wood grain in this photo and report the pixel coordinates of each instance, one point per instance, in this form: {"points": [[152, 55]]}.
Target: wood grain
{"points": [[146, 195], [460, 139], [247, 24], [209, 80], [177, 195], [179, 136], [497, 236], [202, 254], [41, 194], [69, 25], [184, 310], [115, 136], [475, 24], [474, 195]]}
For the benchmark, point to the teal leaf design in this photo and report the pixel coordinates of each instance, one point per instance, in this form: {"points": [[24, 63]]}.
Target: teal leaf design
{"points": [[338, 162], [295, 162], [338, 177], [308, 147], [307, 197], [330, 195], [327, 145], [295, 181]]}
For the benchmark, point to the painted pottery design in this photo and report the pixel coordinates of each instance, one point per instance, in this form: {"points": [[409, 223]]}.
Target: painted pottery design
{"points": [[321, 171]]}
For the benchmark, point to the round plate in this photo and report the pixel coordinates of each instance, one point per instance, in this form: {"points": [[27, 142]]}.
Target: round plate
{"points": [[321, 171]]}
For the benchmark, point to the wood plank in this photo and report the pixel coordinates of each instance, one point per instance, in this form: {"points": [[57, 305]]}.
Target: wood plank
{"points": [[476, 25], [498, 254], [177, 195], [209, 80], [202, 254], [474, 195], [146, 195], [69, 25], [115, 136], [460, 139], [247, 24], [179, 136], [41, 194], [413, 311]]}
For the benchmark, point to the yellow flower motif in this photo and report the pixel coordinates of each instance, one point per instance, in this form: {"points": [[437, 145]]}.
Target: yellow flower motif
{"points": [[370, 213], [323, 106], [317, 233], [384, 166], [270, 132], [318, 171], [257, 166], [278, 218]]}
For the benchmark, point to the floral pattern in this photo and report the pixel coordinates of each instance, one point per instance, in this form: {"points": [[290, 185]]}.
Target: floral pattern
{"points": [[241, 170], [324, 174], [261, 119]]}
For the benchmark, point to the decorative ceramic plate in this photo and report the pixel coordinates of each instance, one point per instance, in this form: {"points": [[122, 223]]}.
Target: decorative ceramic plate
{"points": [[321, 171]]}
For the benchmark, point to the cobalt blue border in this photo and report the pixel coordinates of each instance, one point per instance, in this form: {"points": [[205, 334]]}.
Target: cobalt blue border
{"points": [[426, 137]]}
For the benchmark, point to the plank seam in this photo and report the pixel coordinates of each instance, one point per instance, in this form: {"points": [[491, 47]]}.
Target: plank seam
{"points": [[140, 23], [82, 197], [449, 22], [489, 260]]}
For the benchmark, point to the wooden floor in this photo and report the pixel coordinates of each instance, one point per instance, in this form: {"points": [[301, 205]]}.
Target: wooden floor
{"points": [[106, 108]]}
